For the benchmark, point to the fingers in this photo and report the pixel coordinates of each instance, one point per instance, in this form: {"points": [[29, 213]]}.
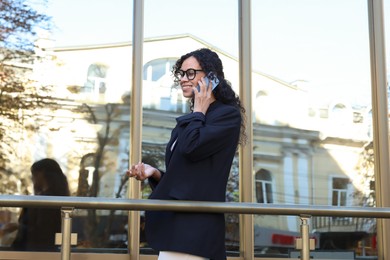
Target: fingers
{"points": [[131, 172], [137, 171], [203, 85], [204, 88], [140, 172]]}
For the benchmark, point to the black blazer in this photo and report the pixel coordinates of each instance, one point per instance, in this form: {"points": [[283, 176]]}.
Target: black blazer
{"points": [[198, 161]]}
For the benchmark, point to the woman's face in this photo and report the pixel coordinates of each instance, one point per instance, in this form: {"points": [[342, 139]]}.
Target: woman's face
{"points": [[186, 83]]}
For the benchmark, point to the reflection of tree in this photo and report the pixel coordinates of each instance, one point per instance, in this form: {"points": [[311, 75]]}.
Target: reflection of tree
{"points": [[83, 185], [108, 116], [22, 99], [366, 180], [98, 115], [154, 155], [366, 177], [232, 195], [151, 154], [232, 192]]}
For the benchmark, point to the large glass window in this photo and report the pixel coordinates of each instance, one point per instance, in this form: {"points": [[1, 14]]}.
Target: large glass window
{"points": [[66, 95], [96, 79], [156, 69], [263, 186], [311, 94], [160, 91], [340, 191], [169, 34], [76, 112]]}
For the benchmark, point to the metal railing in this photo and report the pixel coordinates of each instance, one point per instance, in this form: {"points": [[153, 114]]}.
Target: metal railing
{"points": [[67, 204]]}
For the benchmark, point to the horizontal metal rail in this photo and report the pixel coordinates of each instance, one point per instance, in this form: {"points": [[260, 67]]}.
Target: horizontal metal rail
{"points": [[190, 206], [67, 204]]}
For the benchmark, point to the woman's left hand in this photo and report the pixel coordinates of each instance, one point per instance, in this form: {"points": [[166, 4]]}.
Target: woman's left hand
{"points": [[142, 171]]}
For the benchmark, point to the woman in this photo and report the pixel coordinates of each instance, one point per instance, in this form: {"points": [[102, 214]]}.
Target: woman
{"points": [[37, 226], [198, 161]]}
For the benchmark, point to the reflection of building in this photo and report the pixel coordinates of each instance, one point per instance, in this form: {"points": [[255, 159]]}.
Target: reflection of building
{"points": [[304, 153]]}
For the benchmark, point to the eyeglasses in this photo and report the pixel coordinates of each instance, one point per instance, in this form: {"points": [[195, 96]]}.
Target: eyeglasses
{"points": [[190, 73]]}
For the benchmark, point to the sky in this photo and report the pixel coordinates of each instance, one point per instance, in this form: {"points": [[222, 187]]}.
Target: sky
{"points": [[323, 43]]}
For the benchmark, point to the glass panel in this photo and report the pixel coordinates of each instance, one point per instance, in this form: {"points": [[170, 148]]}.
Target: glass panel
{"points": [[67, 98], [172, 29], [335, 198], [259, 192], [268, 188], [312, 114], [343, 199]]}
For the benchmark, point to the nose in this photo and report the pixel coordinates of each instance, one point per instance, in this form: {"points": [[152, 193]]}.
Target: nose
{"points": [[184, 78]]}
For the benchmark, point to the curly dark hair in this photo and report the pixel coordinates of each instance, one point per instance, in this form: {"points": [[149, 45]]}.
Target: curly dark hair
{"points": [[210, 62], [56, 179]]}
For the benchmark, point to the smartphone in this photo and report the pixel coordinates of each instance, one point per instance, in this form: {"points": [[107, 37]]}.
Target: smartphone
{"points": [[214, 80]]}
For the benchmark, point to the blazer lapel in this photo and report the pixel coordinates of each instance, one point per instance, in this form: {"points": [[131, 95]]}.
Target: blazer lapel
{"points": [[171, 146]]}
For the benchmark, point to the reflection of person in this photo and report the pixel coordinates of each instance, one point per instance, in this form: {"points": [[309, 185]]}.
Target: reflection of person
{"points": [[198, 161], [37, 226]]}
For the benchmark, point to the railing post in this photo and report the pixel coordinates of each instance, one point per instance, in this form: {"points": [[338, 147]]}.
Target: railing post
{"points": [[66, 232], [305, 249]]}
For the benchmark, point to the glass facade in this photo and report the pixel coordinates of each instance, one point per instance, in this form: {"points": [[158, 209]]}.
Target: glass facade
{"points": [[312, 98], [312, 114]]}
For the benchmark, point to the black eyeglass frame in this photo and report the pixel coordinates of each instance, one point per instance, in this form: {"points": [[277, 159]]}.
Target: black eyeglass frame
{"points": [[180, 73]]}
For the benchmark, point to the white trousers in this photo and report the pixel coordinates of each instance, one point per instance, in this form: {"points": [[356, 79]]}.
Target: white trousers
{"points": [[169, 255]]}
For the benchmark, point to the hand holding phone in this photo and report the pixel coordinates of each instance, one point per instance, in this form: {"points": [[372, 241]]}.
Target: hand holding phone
{"points": [[214, 81]]}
